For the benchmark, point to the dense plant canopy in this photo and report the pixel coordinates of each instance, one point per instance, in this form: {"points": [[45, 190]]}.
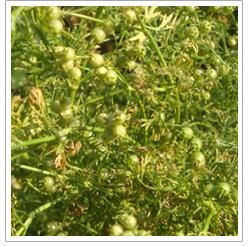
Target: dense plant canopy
{"points": [[124, 121]]}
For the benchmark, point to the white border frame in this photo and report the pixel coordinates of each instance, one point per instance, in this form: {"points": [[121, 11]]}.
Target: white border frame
{"points": [[8, 236]]}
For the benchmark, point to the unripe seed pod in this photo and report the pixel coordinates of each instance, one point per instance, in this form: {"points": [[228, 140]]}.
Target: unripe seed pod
{"points": [[198, 73], [68, 65], [116, 230], [75, 74], [101, 71], [128, 233], [96, 60], [111, 76], [108, 26], [232, 41], [205, 27], [56, 106], [119, 130], [134, 159], [209, 189], [224, 70], [196, 143], [199, 160], [102, 117], [69, 53], [67, 114], [52, 228], [129, 222], [49, 183], [54, 12], [224, 188], [15, 184], [235, 195], [33, 60], [131, 15], [131, 65], [192, 32], [59, 51], [62, 133], [98, 34], [212, 74], [187, 133], [56, 26], [215, 61]]}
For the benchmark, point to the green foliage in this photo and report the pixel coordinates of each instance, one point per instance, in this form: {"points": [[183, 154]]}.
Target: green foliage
{"points": [[124, 121]]}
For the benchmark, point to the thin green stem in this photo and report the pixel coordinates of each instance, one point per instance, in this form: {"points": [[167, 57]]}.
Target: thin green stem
{"points": [[33, 187], [34, 142], [153, 43], [224, 44], [40, 209], [74, 167], [91, 101], [164, 189], [17, 156], [205, 125], [82, 16], [69, 35], [51, 137], [72, 95], [207, 223], [14, 15], [178, 107], [37, 170], [94, 129]]}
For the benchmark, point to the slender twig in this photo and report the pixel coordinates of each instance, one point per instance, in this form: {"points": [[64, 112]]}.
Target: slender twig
{"points": [[37, 170], [82, 16], [205, 125], [14, 15], [69, 35], [50, 138], [153, 42], [164, 189], [207, 223], [178, 107], [38, 210], [91, 101], [34, 142]]}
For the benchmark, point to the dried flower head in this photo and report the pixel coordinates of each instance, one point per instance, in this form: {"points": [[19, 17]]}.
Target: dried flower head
{"points": [[36, 97]]}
